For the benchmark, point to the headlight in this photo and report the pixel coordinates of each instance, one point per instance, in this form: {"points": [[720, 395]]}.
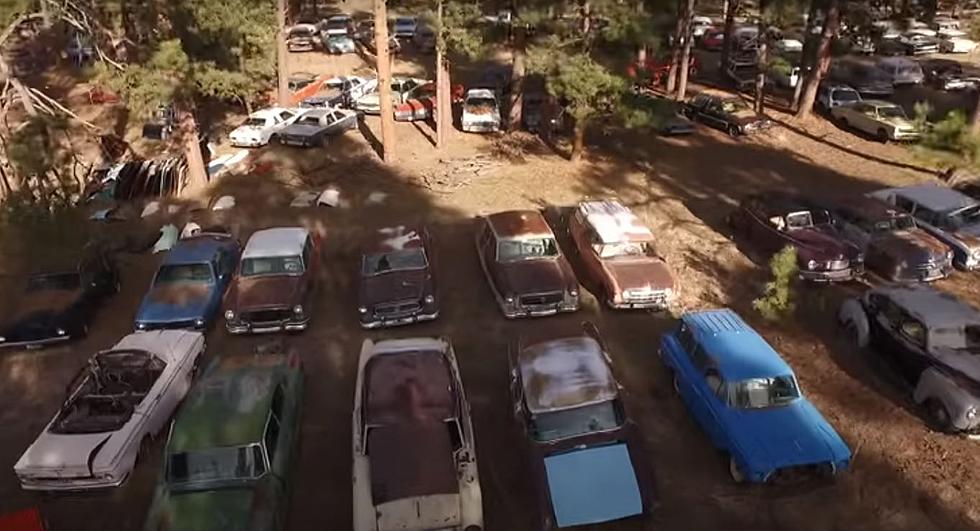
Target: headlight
{"points": [[60, 331], [509, 299], [362, 309], [2, 339], [141, 326], [199, 323], [971, 413], [812, 264], [298, 309], [949, 255], [573, 292], [429, 299], [976, 254], [230, 315]]}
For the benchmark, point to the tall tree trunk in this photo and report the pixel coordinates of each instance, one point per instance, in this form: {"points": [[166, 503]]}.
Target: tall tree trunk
{"points": [[762, 59], [445, 93], [282, 55], [724, 8], [675, 49], [440, 84], [807, 58], [197, 172], [726, 45], [641, 49], [813, 78], [518, 73], [685, 66], [578, 140], [384, 81]]}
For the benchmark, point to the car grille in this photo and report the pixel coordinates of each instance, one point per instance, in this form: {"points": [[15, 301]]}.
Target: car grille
{"points": [[172, 325], [835, 265], [267, 316], [645, 296], [397, 309], [542, 299]]}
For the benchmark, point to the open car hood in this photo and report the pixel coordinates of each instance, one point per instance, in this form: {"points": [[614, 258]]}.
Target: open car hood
{"points": [[593, 485]]}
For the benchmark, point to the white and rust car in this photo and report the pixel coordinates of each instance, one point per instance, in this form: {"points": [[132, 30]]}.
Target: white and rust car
{"points": [[617, 249], [116, 404], [413, 450]]}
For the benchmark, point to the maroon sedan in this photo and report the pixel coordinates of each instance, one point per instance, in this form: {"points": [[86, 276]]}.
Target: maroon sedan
{"points": [[771, 221], [397, 284], [524, 266]]}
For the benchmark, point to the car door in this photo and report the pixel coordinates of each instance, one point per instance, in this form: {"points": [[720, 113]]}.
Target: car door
{"points": [[762, 227], [311, 263], [277, 439], [710, 390], [580, 232], [714, 114], [486, 246], [896, 346]]}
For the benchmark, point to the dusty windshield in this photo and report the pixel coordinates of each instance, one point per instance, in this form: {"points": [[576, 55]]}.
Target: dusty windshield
{"points": [[612, 251], [764, 392], [309, 120], [272, 265], [55, 282], [958, 338], [529, 249], [736, 107], [480, 102], [177, 273], [891, 112], [578, 421], [846, 95], [254, 122], [404, 260], [215, 464], [964, 216]]}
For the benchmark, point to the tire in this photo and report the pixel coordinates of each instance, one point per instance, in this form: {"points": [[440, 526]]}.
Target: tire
{"points": [[939, 417], [274, 139], [733, 469], [733, 131], [882, 136], [853, 336]]}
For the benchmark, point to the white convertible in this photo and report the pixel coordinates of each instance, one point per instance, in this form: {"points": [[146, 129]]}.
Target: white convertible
{"points": [[117, 403], [414, 455], [261, 126]]}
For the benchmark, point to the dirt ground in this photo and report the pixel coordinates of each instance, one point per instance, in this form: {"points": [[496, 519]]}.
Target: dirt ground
{"points": [[904, 477]]}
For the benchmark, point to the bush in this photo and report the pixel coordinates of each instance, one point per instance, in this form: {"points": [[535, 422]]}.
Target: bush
{"points": [[778, 300], [950, 135]]}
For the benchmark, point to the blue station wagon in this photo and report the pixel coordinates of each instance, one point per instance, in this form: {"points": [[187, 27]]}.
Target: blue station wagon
{"points": [[748, 401], [188, 287]]}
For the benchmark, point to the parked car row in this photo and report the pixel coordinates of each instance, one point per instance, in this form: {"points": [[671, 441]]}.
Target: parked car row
{"points": [[303, 127]]}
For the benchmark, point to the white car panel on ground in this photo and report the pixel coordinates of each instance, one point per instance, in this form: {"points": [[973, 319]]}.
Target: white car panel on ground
{"points": [[122, 398]]}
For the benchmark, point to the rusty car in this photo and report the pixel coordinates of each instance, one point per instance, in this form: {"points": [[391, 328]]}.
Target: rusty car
{"points": [[618, 251], [894, 246], [771, 221], [397, 280], [414, 453], [585, 455], [524, 266], [275, 283]]}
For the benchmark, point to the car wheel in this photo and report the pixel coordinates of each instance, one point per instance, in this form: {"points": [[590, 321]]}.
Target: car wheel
{"points": [[843, 123], [882, 136], [733, 130], [939, 417], [275, 139], [735, 471]]}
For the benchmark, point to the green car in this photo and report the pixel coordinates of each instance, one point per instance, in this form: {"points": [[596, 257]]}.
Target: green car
{"points": [[228, 460]]}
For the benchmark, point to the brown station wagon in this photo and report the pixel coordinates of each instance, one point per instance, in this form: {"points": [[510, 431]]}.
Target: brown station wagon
{"points": [[397, 284], [524, 266], [275, 282], [617, 249], [586, 458]]}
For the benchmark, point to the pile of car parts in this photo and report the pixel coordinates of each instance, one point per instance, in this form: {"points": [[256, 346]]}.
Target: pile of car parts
{"points": [[138, 178]]}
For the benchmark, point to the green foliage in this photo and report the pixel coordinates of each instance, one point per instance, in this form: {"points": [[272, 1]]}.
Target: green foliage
{"points": [[9, 9], [585, 86], [459, 33], [641, 112], [950, 138], [778, 300]]}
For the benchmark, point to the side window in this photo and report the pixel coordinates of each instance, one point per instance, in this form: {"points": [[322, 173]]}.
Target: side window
{"points": [[686, 338], [904, 203], [285, 115], [307, 252], [272, 430], [713, 381], [455, 434]]}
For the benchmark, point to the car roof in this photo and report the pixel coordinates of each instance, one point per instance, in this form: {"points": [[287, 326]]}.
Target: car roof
{"points": [[396, 238], [614, 222], [865, 207], [934, 197], [408, 381], [738, 351], [933, 307], [196, 249], [284, 241], [342, 16], [317, 113], [904, 61], [229, 406], [565, 373], [519, 223]]}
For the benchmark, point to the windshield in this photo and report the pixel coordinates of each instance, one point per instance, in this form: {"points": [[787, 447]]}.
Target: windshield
{"points": [[174, 273], [735, 106], [216, 464], [481, 102], [964, 216], [254, 122], [405, 22], [301, 32], [309, 120], [337, 24], [891, 112], [799, 220], [338, 38], [56, 281], [846, 95], [764, 392], [272, 265], [965, 338], [624, 250], [578, 421], [512, 250], [896, 223], [404, 260]]}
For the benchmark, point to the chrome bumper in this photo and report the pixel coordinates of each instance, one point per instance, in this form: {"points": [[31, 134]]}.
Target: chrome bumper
{"points": [[267, 328], [36, 344], [399, 321], [69, 484], [540, 311], [837, 275]]}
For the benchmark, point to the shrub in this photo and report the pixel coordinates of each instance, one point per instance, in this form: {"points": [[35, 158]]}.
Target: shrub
{"points": [[778, 300]]}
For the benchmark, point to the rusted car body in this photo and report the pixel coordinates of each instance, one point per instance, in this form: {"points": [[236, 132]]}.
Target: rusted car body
{"points": [[397, 280], [771, 221], [585, 455], [617, 249], [272, 290], [894, 247], [527, 272], [414, 454]]}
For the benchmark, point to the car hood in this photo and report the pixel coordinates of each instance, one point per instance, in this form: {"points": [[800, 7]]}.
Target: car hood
{"points": [[227, 509], [394, 286], [748, 119], [915, 246], [790, 435], [820, 243], [301, 130], [175, 302], [246, 130], [67, 455], [531, 276], [433, 511], [370, 99], [593, 485], [650, 274], [899, 122], [267, 291], [46, 302]]}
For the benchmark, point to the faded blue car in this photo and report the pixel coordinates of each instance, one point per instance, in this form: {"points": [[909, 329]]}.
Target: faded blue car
{"points": [[188, 287], [748, 401]]}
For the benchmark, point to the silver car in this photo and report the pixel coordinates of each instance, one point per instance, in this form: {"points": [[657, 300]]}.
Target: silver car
{"points": [[881, 119]]}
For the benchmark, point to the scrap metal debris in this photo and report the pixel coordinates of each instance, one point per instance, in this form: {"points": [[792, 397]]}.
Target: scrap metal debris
{"points": [[168, 237], [456, 173], [224, 202]]}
